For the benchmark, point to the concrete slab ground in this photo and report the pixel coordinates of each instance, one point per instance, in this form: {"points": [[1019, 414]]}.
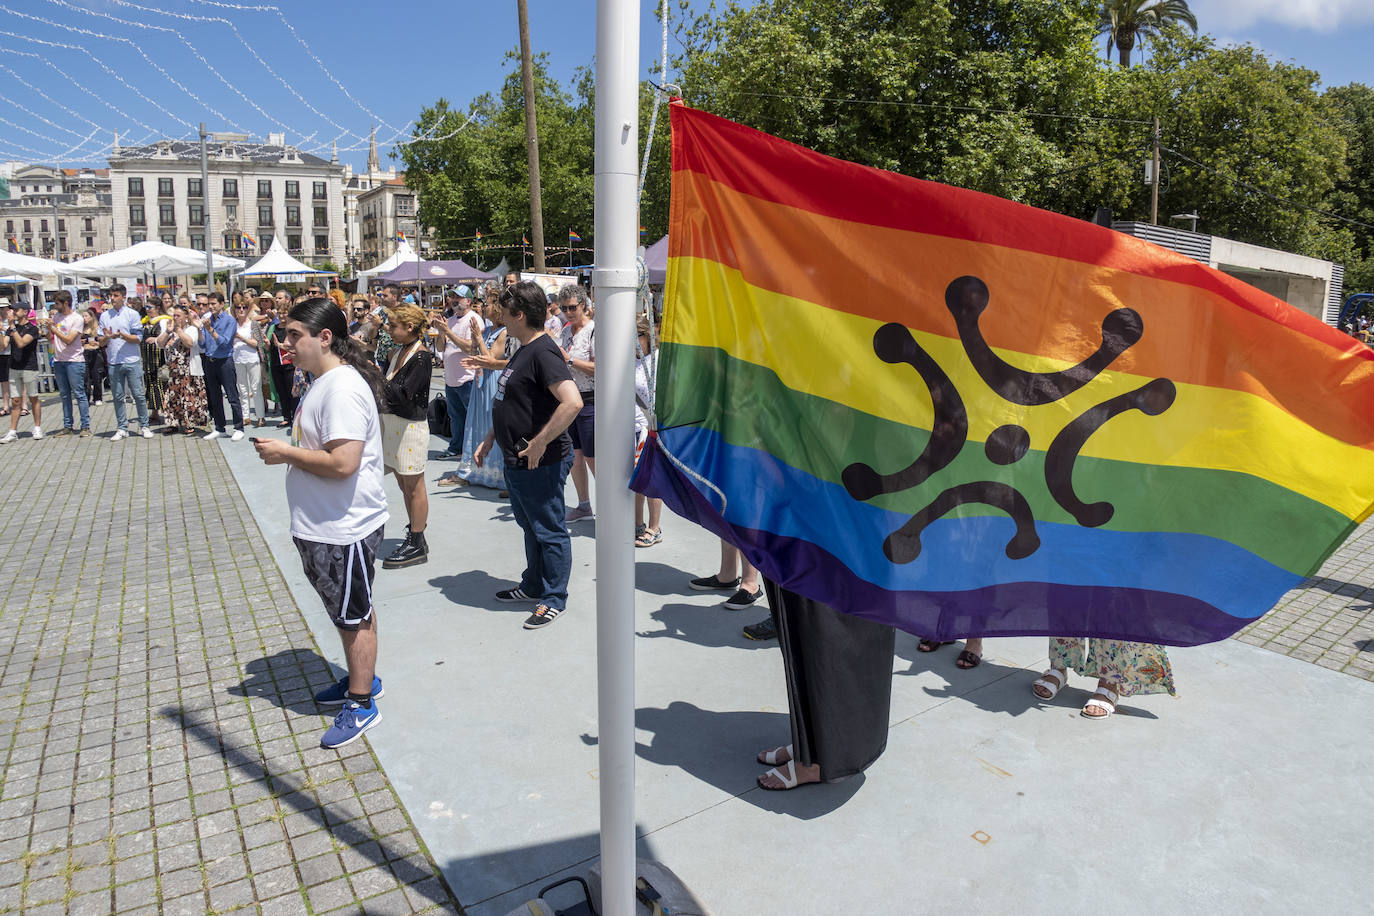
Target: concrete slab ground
{"points": [[1239, 795]]}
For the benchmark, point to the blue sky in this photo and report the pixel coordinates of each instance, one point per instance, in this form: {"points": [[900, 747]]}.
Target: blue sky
{"points": [[71, 74]]}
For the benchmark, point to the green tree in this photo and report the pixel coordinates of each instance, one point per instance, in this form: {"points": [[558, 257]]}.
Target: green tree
{"points": [[1127, 22], [936, 90], [1352, 109]]}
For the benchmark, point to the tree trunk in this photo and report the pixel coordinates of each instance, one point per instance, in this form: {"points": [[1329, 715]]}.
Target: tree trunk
{"points": [[1124, 44], [531, 138]]}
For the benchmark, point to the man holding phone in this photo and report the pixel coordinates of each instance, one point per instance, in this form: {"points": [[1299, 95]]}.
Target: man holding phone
{"points": [[536, 399]]}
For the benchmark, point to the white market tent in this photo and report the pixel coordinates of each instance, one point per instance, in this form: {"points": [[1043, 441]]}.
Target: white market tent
{"points": [[404, 255], [276, 262], [150, 258], [29, 266]]}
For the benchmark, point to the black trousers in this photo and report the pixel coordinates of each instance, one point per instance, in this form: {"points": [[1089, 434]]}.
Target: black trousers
{"points": [[839, 683], [221, 382], [281, 380]]}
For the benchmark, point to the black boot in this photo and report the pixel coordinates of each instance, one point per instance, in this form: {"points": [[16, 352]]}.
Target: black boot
{"points": [[413, 551]]}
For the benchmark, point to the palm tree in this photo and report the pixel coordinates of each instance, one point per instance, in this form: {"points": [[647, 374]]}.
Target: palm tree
{"points": [[1126, 22]]}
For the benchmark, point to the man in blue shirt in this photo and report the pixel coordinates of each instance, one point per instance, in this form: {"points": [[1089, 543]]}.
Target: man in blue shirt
{"points": [[121, 331], [219, 328]]}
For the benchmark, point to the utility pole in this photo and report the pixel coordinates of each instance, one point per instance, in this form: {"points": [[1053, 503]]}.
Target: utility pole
{"points": [[205, 211], [1154, 179], [531, 136]]}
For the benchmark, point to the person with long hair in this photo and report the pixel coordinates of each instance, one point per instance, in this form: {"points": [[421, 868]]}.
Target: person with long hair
{"points": [[578, 341], [334, 489], [95, 357], [180, 345], [500, 347], [278, 360], [248, 341], [405, 427]]}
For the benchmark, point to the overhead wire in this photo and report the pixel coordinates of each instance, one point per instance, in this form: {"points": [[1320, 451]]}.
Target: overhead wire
{"points": [[60, 72], [191, 17], [183, 39], [308, 50], [133, 44], [100, 63], [32, 88]]}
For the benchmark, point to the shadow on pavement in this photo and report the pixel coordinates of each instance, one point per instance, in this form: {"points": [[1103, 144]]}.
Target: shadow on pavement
{"points": [[714, 628], [261, 680], [291, 792], [719, 748], [477, 588], [1345, 589], [662, 579]]}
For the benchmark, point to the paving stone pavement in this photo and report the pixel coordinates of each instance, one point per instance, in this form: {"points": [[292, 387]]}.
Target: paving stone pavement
{"points": [[162, 751], [1326, 620]]}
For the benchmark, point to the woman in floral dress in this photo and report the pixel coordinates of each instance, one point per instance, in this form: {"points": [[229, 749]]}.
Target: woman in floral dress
{"points": [[180, 345], [1122, 669]]}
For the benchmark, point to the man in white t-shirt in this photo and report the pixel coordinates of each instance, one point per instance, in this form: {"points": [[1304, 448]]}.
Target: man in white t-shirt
{"points": [[460, 329], [337, 502]]}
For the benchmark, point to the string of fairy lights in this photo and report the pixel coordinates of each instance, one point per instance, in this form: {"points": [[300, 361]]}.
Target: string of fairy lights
{"points": [[132, 65]]}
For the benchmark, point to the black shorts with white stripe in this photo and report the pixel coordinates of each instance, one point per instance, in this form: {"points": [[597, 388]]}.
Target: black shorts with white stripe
{"points": [[342, 575]]}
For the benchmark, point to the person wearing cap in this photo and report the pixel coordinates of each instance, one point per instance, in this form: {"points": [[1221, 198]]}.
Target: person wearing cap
{"points": [[121, 331], [462, 335], [23, 343]]}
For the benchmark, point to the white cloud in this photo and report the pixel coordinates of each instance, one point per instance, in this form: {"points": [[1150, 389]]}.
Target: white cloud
{"points": [[1216, 16]]}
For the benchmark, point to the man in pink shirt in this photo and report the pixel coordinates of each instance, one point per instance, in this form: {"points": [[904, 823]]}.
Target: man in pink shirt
{"points": [[69, 363]]}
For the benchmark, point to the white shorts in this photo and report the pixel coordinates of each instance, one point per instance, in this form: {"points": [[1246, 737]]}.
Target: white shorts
{"points": [[405, 444]]}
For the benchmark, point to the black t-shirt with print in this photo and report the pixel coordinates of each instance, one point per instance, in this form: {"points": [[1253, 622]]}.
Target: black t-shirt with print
{"points": [[524, 403], [25, 357]]}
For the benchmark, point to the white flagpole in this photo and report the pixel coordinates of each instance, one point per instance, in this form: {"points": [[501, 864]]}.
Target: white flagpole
{"points": [[614, 280]]}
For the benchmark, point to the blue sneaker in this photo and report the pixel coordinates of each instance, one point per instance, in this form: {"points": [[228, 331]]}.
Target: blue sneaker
{"points": [[350, 724], [335, 694]]}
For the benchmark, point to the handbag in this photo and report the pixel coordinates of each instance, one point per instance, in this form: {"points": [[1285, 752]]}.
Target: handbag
{"points": [[437, 416]]}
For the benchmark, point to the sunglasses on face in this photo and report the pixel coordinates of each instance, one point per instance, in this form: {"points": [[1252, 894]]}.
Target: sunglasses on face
{"points": [[568, 308]]}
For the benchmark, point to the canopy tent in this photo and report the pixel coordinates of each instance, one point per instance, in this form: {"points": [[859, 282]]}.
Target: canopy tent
{"points": [[656, 262], [276, 262], [29, 266], [404, 255], [435, 272], [149, 258]]}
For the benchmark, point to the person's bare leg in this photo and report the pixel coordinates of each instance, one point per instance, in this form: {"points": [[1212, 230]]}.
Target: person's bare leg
{"points": [[591, 466], [16, 405], [729, 562], [655, 514], [36, 410], [1096, 712], [416, 500], [580, 480], [639, 509], [749, 579], [360, 651], [974, 645]]}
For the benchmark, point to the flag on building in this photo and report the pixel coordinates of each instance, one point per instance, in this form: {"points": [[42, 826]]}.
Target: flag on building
{"points": [[573, 237], [643, 231], [963, 416], [249, 241], [14, 245]]}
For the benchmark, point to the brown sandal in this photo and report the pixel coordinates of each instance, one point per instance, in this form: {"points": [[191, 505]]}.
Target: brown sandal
{"points": [[967, 660]]}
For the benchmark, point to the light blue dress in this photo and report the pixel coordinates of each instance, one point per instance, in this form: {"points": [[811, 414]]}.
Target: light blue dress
{"points": [[492, 473]]}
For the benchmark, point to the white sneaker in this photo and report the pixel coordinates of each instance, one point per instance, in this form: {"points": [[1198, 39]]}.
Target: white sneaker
{"points": [[146, 433], [119, 434], [9, 437], [237, 436], [212, 434], [38, 432]]}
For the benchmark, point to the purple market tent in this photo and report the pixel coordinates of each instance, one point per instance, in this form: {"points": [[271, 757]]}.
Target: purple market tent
{"points": [[656, 262], [434, 273]]}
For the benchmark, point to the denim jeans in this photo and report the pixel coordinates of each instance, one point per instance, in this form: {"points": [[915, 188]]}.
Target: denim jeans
{"points": [[221, 382], [71, 380], [457, 400], [128, 376], [536, 499]]}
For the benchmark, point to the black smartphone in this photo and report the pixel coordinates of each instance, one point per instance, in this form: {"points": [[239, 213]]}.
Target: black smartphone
{"points": [[253, 439]]}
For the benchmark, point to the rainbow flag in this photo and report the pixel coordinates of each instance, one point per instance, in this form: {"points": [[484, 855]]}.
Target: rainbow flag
{"points": [[250, 241], [524, 240], [573, 237], [479, 235], [962, 416]]}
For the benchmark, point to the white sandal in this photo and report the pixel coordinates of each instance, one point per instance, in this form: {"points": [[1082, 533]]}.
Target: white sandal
{"points": [[788, 779], [1108, 702], [1049, 686], [773, 758]]}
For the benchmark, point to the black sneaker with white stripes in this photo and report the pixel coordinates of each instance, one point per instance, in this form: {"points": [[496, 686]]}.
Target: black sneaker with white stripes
{"points": [[512, 595], [542, 617]]}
